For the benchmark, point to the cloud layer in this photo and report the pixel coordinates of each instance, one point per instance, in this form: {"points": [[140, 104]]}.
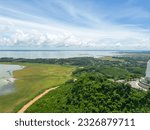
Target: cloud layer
{"points": [[72, 25]]}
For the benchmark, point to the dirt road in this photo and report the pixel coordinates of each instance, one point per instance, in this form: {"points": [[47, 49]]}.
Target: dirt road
{"points": [[26, 106]]}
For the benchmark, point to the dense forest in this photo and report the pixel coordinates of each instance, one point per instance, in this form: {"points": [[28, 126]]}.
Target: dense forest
{"points": [[94, 93], [92, 90]]}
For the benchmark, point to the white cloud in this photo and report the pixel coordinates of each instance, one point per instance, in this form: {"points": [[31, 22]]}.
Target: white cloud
{"points": [[27, 34]]}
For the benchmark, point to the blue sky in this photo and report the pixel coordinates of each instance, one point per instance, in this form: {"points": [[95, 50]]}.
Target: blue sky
{"points": [[75, 24]]}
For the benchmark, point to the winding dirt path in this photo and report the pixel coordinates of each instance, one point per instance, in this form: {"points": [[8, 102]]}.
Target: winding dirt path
{"points": [[26, 106]]}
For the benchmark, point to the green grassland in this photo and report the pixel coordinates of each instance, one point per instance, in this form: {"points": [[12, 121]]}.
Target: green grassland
{"points": [[31, 81]]}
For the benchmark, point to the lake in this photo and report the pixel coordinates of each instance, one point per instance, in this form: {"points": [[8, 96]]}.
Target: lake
{"points": [[6, 78], [56, 54]]}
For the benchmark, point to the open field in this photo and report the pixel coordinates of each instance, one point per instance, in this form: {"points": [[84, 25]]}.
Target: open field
{"points": [[31, 81], [110, 58]]}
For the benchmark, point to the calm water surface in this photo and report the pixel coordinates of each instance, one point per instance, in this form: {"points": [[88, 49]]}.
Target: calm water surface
{"points": [[6, 78], [55, 54]]}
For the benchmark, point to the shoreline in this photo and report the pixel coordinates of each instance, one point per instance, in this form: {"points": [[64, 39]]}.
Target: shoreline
{"points": [[8, 80]]}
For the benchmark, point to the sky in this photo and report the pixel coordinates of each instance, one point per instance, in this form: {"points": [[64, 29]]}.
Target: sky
{"points": [[75, 24]]}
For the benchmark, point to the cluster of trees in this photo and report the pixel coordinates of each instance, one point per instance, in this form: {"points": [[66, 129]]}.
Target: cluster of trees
{"points": [[95, 93], [109, 72], [113, 72]]}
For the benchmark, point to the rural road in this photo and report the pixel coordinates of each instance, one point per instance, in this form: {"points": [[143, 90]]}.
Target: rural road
{"points": [[26, 106]]}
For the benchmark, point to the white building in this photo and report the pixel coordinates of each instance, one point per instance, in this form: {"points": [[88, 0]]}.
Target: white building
{"points": [[145, 82], [148, 71]]}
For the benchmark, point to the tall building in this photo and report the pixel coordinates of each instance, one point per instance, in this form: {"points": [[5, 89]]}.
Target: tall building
{"points": [[148, 71], [145, 82]]}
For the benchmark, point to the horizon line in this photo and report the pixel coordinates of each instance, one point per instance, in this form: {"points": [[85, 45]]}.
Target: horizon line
{"points": [[68, 50]]}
